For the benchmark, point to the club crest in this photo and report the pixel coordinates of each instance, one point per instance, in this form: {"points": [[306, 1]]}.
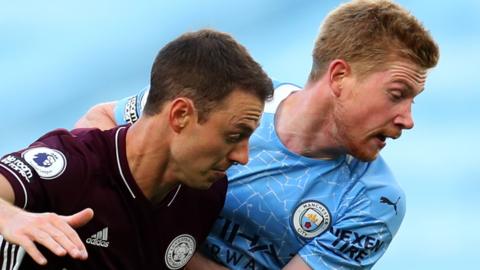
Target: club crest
{"points": [[180, 251], [310, 219]]}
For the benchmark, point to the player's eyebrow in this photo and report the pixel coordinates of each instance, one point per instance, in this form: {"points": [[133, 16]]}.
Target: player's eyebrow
{"points": [[407, 87], [248, 129]]}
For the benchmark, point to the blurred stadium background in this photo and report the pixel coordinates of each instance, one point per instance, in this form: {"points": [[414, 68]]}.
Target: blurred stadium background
{"points": [[58, 58]]}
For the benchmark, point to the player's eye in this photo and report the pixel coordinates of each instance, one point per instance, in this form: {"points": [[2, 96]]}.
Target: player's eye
{"points": [[234, 138], [396, 95]]}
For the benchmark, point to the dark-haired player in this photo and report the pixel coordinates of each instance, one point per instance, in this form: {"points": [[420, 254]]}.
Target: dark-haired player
{"points": [[142, 196]]}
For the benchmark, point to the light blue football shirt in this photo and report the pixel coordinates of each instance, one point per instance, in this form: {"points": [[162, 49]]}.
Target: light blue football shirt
{"points": [[335, 214]]}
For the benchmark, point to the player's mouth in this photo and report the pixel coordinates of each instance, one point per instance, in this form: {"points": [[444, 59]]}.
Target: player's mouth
{"points": [[219, 173], [381, 138], [380, 141]]}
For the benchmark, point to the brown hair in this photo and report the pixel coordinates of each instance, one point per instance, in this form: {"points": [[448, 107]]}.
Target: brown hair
{"points": [[370, 33], [205, 66]]}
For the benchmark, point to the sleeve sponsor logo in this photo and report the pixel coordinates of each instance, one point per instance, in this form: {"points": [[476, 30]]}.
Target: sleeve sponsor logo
{"points": [[310, 219], [19, 166], [48, 163], [354, 245], [180, 251], [130, 114], [144, 99]]}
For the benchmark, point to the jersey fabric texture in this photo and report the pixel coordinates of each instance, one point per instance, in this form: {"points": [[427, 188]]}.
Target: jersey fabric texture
{"points": [[334, 214], [66, 172]]}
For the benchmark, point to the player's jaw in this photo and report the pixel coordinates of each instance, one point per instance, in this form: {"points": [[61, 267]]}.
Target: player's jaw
{"points": [[219, 170], [209, 175], [383, 135], [368, 148]]}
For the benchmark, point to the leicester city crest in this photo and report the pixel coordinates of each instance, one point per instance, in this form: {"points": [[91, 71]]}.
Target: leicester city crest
{"points": [[310, 219], [180, 251], [48, 163]]}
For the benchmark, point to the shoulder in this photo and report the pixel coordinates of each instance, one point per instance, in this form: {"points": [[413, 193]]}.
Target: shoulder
{"points": [[386, 198], [282, 90], [69, 153], [88, 144], [365, 222], [54, 166]]}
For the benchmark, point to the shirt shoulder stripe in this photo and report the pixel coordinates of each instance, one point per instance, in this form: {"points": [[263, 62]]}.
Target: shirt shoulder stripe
{"points": [[118, 162], [21, 184]]}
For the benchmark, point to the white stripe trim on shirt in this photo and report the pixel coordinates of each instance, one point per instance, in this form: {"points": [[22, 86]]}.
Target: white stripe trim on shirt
{"points": [[118, 162], [5, 255], [21, 183], [20, 254], [174, 196], [12, 255]]}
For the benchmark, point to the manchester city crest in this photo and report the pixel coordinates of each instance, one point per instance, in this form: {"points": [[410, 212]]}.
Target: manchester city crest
{"points": [[310, 219], [180, 251], [48, 163]]}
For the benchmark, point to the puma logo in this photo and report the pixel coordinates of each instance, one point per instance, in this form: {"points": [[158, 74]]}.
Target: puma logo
{"points": [[385, 200]]}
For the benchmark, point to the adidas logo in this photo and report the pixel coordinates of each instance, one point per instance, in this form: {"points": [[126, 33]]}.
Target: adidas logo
{"points": [[99, 239]]}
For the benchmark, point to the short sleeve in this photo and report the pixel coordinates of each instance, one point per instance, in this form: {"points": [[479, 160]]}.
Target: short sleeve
{"points": [[363, 227], [129, 109], [350, 244], [50, 175]]}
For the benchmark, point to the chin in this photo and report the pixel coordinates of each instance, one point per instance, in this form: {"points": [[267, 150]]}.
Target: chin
{"points": [[203, 181], [203, 184], [206, 185], [197, 185], [365, 156]]}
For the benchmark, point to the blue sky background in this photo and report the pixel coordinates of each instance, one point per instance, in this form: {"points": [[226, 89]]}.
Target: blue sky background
{"points": [[58, 58]]}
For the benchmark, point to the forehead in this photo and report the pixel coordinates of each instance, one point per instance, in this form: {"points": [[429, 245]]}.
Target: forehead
{"points": [[407, 73], [239, 100], [240, 105]]}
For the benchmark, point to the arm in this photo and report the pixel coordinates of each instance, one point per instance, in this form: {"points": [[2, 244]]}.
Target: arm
{"points": [[198, 261], [296, 263], [53, 231], [110, 114], [100, 116]]}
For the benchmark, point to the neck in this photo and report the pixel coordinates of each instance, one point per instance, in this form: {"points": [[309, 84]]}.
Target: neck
{"points": [[147, 157], [305, 123]]}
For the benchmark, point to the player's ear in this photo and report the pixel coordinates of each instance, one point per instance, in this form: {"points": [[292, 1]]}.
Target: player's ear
{"points": [[337, 71], [182, 112]]}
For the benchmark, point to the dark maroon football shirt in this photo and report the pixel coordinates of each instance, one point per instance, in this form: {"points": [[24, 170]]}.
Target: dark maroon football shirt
{"points": [[66, 172]]}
